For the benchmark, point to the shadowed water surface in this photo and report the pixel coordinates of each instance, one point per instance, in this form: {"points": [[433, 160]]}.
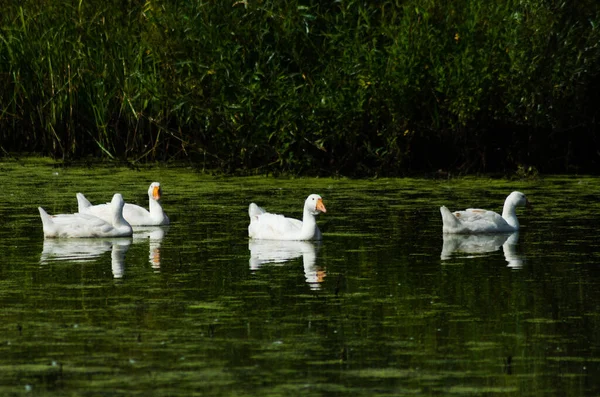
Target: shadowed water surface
{"points": [[384, 305]]}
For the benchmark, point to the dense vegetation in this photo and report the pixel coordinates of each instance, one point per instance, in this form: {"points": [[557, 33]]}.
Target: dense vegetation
{"points": [[305, 86]]}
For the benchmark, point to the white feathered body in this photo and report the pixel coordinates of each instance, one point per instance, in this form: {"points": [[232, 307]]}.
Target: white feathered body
{"points": [[86, 225], [268, 226], [133, 214], [475, 220]]}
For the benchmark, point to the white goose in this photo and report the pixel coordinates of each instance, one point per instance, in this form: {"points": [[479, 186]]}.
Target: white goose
{"points": [[134, 214], [483, 221], [266, 226], [85, 225]]}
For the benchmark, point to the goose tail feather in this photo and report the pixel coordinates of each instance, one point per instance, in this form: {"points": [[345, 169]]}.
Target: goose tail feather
{"points": [[82, 202], [448, 219]]}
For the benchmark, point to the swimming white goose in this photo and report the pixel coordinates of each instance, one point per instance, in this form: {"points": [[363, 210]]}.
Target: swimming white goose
{"points": [[85, 225], [266, 226], [134, 214], [483, 221]]}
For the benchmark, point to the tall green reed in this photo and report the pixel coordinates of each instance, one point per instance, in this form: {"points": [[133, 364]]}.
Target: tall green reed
{"points": [[303, 86]]}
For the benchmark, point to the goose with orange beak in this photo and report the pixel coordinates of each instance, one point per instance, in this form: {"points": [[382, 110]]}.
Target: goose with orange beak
{"points": [[134, 214], [267, 226]]}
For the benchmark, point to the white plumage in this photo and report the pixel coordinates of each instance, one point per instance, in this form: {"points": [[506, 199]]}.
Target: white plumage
{"points": [[85, 225], [134, 214], [474, 220], [267, 226]]}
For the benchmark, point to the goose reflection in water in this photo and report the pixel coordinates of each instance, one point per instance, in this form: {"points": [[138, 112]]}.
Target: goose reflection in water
{"points": [[154, 235], [475, 245], [85, 250], [276, 251]]}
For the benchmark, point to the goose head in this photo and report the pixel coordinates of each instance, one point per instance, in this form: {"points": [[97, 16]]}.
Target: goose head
{"points": [[117, 203], [314, 204], [516, 199], [154, 191]]}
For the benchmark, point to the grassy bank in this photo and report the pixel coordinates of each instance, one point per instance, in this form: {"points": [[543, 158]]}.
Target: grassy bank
{"points": [[300, 86]]}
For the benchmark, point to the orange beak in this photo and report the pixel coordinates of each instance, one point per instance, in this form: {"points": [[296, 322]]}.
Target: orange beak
{"points": [[156, 193], [320, 206]]}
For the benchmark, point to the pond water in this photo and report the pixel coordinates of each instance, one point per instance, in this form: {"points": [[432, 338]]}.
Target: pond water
{"points": [[384, 305]]}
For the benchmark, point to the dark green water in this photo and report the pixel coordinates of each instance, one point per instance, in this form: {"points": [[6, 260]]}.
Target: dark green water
{"points": [[383, 306]]}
